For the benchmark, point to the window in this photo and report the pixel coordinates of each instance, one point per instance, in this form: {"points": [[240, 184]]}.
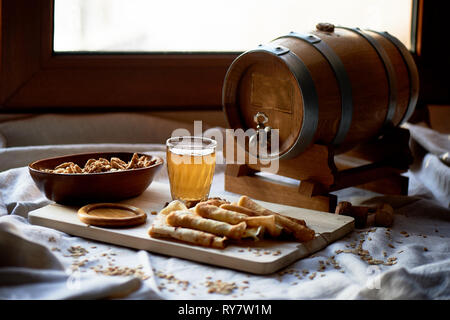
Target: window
{"points": [[42, 73], [211, 25]]}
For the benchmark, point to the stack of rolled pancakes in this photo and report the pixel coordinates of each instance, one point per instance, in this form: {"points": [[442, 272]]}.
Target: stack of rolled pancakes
{"points": [[215, 222]]}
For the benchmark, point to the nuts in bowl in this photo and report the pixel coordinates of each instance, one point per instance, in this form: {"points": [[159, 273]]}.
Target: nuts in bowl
{"points": [[104, 165], [94, 177]]}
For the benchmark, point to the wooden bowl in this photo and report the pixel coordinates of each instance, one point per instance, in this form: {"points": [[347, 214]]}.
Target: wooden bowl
{"points": [[83, 188]]}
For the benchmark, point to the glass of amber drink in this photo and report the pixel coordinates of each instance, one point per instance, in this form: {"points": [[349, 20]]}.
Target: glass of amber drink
{"points": [[190, 165]]}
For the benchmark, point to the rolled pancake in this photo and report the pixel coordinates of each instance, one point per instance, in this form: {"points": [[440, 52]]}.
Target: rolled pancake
{"points": [[295, 226], [233, 217], [200, 238], [186, 219]]}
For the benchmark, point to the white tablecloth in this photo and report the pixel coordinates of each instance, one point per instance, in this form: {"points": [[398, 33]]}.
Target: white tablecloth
{"points": [[42, 263]]}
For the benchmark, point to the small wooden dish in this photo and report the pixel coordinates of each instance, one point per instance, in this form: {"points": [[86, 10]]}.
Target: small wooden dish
{"points": [[111, 215]]}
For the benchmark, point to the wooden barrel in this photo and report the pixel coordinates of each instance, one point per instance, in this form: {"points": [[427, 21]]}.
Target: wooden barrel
{"points": [[335, 86]]}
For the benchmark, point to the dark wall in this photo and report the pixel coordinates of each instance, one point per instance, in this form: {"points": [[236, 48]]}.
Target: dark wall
{"points": [[434, 53]]}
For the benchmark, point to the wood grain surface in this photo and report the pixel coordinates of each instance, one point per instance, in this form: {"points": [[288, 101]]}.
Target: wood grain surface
{"points": [[111, 215], [244, 256]]}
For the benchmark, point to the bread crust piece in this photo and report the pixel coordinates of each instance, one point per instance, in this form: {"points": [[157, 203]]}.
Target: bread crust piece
{"points": [[184, 218], [295, 226], [234, 217], [200, 238]]}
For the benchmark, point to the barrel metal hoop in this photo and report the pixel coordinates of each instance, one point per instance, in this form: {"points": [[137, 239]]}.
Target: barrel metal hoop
{"points": [[390, 73], [412, 73], [278, 50], [310, 105], [342, 78]]}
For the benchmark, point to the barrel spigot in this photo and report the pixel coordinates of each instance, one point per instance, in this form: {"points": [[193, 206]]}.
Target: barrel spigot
{"points": [[262, 131]]}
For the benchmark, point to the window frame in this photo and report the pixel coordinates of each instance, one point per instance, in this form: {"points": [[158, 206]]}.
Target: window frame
{"points": [[35, 78]]}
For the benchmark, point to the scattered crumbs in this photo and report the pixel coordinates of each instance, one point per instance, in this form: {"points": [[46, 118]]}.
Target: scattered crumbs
{"points": [[77, 264], [400, 251], [153, 212], [220, 287], [312, 276], [56, 249], [390, 261], [93, 247], [321, 267], [369, 238], [51, 239], [391, 246], [120, 271], [77, 251], [364, 254], [276, 253], [241, 250], [404, 233], [425, 249], [323, 275]]}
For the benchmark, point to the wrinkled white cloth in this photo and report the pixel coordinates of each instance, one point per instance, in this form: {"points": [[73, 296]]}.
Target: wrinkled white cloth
{"points": [[427, 146], [422, 255]]}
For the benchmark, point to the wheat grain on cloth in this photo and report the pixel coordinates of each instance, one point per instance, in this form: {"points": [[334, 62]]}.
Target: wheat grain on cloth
{"points": [[42, 263]]}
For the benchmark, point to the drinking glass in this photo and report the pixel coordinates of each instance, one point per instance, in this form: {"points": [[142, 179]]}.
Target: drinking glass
{"points": [[190, 165]]}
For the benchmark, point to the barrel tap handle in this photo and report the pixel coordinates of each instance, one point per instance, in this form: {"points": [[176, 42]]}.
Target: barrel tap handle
{"points": [[261, 119]]}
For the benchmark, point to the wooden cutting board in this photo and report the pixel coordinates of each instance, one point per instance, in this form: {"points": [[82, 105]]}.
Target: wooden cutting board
{"points": [[262, 257]]}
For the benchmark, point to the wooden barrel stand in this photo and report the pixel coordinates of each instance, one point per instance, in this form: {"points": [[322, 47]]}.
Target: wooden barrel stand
{"points": [[376, 166]]}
